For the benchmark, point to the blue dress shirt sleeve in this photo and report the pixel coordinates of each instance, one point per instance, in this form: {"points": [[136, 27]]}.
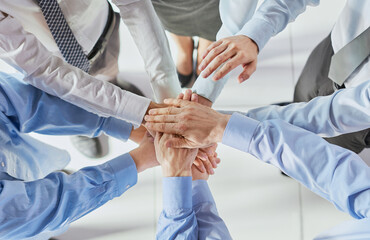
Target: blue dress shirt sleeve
{"points": [[177, 220], [38, 208], [33, 110], [336, 174], [272, 17], [210, 224], [344, 111]]}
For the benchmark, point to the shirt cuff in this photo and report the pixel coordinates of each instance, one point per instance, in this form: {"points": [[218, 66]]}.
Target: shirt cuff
{"points": [[201, 192], [259, 30], [239, 132], [134, 108], [166, 87], [117, 128], [124, 170], [208, 88], [177, 193]]}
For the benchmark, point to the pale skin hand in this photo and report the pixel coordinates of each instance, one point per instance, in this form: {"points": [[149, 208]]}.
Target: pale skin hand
{"points": [[144, 156], [206, 158], [153, 105], [175, 162], [202, 129], [232, 52]]}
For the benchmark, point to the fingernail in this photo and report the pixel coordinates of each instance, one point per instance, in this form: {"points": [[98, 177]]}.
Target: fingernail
{"points": [[166, 101], [205, 74], [146, 117], [212, 172]]}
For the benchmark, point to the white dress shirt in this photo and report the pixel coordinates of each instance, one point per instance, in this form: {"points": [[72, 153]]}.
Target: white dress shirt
{"points": [[27, 44], [274, 15]]}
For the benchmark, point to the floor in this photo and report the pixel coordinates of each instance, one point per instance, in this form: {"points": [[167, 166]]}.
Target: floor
{"points": [[253, 198]]}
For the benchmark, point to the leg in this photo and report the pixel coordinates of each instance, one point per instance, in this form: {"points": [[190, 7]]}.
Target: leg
{"points": [[203, 45], [184, 61]]}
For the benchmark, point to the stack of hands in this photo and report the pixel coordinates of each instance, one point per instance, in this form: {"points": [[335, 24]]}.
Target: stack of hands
{"points": [[182, 138]]}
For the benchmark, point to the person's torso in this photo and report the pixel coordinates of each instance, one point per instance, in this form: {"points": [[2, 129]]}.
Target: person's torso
{"points": [[353, 20]]}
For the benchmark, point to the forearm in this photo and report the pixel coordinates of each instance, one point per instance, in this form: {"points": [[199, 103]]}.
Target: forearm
{"points": [[272, 17], [150, 38], [342, 112], [177, 220], [210, 225], [56, 77], [306, 157], [54, 202], [33, 110]]}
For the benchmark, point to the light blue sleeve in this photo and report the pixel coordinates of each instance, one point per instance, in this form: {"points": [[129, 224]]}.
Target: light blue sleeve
{"points": [[272, 17], [210, 224], [33, 110], [345, 111], [334, 173], [177, 220], [42, 207], [234, 14]]}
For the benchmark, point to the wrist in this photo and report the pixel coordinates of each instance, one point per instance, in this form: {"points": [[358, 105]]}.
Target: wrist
{"points": [[137, 157], [221, 125], [204, 101], [170, 171]]}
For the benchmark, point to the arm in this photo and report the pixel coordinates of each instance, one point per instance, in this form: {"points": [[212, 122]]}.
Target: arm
{"points": [[47, 205], [41, 207], [344, 111], [210, 225], [32, 110], [56, 77], [150, 38], [177, 219], [250, 36], [334, 173]]}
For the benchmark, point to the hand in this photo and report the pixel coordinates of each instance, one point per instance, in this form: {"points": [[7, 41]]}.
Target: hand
{"points": [[199, 125], [197, 174], [144, 156], [175, 162], [233, 51], [153, 105], [138, 134]]}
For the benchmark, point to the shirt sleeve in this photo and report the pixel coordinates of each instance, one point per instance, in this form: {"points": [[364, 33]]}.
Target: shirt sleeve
{"points": [[53, 75], [177, 220], [241, 11], [210, 225], [272, 17], [30, 209], [32, 110], [344, 111], [150, 38], [334, 173]]}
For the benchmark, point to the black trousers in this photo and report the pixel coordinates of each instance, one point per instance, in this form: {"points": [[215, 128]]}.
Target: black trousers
{"points": [[314, 82]]}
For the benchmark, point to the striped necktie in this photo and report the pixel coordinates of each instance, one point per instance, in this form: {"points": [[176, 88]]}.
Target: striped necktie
{"points": [[347, 59], [63, 35]]}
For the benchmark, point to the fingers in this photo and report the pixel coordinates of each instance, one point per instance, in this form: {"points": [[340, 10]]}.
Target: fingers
{"points": [[249, 69], [218, 61], [181, 96], [187, 95], [172, 128], [209, 48], [194, 97], [202, 155], [212, 52], [208, 166], [165, 111], [199, 165], [227, 67], [161, 118], [176, 102]]}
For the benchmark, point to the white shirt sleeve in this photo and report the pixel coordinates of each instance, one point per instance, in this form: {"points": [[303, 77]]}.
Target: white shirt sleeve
{"points": [[150, 38], [53, 75]]}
